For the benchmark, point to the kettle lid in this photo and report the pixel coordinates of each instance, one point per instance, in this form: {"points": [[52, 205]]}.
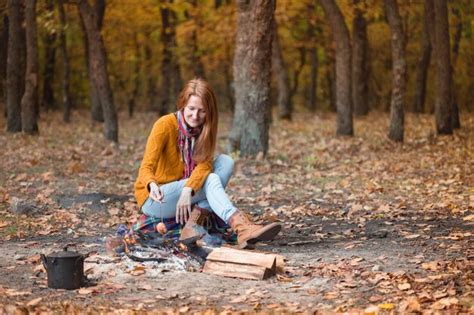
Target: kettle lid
{"points": [[64, 254]]}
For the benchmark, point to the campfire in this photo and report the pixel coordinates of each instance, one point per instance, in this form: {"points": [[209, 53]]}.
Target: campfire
{"points": [[202, 253]]}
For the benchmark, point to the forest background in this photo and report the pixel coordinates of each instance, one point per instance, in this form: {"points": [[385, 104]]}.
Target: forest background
{"points": [[152, 47], [377, 220]]}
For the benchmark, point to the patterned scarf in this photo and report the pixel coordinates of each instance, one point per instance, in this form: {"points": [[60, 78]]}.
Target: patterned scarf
{"points": [[186, 139]]}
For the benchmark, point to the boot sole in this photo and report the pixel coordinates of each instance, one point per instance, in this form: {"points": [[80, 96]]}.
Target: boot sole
{"points": [[267, 235]]}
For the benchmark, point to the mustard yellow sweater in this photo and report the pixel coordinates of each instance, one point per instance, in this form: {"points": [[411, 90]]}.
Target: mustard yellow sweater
{"points": [[162, 160]]}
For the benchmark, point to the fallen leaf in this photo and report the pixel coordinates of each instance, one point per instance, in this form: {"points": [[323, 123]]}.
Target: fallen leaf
{"points": [[85, 291], [386, 306], [34, 302], [184, 309], [404, 286]]}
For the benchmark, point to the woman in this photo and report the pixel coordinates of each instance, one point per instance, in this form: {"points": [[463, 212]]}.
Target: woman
{"points": [[179, 170]]}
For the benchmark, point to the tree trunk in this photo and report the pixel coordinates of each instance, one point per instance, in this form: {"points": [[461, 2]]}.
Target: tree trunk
{"points": [[198, 67], [343, 66], [66, 67], [454, 100], [281, 74], [29, 101], [135, 79], [313, 86], [97, 113], [296, 75], [443, 110], [424, 63], [176, 69], [252, 75], [48, 101], [360, 67], [3, 59], [14, 67], [399, 69], [166, 61], [229, 84], [152, 94], [99, 66]]}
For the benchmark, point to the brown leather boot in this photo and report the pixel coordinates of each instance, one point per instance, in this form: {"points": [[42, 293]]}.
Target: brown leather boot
{"points": [[193, 226], [249, 233]]}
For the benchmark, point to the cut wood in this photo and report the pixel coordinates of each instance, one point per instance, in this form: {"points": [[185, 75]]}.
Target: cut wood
{"points": [[237, 256], [236, 263], [227, 269]]}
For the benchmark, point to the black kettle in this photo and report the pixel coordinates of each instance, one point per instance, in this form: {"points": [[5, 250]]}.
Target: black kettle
{"points": [[65, 269]]}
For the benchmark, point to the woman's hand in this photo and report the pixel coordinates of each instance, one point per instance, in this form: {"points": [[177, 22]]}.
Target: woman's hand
{"points": [[183, 207], [155, 192]]}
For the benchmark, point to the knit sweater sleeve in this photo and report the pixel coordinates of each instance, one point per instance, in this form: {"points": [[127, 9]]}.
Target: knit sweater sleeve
{"points": [[154, 147], [199, 176]]}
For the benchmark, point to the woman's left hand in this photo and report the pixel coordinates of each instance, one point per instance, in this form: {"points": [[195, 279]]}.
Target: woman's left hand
{"points": [[183, 207]]}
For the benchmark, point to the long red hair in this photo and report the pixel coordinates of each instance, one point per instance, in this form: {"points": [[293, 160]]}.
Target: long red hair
{"points": [[206, 142]]}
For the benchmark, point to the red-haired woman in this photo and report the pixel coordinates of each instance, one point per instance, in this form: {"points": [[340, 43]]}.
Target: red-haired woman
{"points": [[179, 176]]}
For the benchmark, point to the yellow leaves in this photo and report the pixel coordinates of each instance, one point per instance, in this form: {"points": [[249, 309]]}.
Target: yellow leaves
{"points": [[386, 306]]}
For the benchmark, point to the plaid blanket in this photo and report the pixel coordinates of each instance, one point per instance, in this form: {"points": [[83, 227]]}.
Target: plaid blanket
{"points": [[214, 227]]}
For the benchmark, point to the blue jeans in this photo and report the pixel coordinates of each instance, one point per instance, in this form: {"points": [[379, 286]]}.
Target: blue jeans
{"points": [[211, 196]]}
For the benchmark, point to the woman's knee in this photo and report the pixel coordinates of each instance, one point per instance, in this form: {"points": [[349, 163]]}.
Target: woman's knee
{"points": [[213, 180], [226, 163]]}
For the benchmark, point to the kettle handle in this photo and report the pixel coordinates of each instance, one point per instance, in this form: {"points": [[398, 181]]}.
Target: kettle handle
{"points": [[45, 261]]}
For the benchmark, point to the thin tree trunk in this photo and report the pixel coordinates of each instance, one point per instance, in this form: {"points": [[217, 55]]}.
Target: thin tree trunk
{"points": [[66, 67], [281, 74], [198, 67], [343, 66], [3, 59], [48, 100], [99, 66], [399, 71], [152, 94], [424, 63], [252, 73], [298, 70], [313, 86], [166, 61], [360, 69], [330, 74], [14, 67], [97, 113], [457, 38], [229, 85], [443, 112], [176, 69], [29, 100], [135, 79]]}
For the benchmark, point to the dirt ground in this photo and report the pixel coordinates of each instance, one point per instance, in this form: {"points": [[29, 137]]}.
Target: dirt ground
{"points": [[368, 225]]}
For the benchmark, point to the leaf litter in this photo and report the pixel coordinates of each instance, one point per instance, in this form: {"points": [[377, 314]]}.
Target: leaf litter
{"points": [[369, 225]]}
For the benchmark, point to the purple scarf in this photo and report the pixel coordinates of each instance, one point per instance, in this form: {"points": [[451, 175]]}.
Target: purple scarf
{"points": [[186, 139]]}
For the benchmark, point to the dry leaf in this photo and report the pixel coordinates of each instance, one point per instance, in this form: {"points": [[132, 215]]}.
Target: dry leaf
{"points": [[34, 302], [404, 286], [85, 291]]}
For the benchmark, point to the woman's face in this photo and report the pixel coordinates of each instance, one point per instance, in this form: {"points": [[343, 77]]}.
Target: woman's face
{"points": [[194, 112]]}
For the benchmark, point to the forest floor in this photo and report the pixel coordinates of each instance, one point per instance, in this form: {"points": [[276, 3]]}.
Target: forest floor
{"points": [[369, 225]]}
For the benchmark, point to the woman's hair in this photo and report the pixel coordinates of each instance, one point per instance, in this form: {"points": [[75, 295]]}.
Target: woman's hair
{"points": [[206, 142]]}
